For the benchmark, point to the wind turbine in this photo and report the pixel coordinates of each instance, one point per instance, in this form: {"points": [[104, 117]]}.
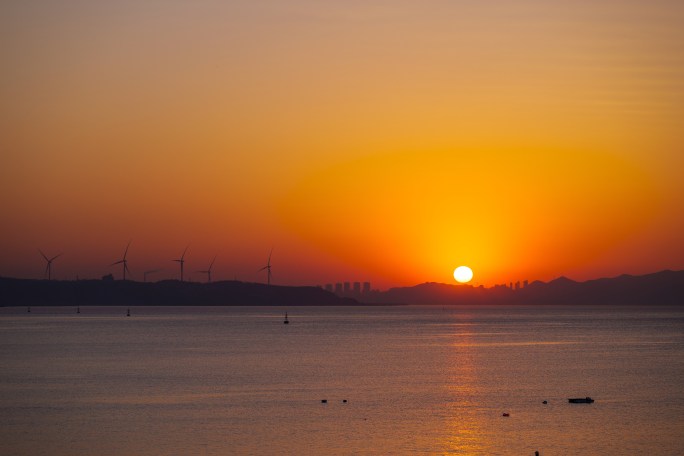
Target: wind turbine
{"points": [[181, 260], [149, 272], [124, 261], [48, 268], [268, 268], [208, 271]]}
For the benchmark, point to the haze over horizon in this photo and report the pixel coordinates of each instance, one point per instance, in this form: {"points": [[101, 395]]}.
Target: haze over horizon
{"points": [[387, 142]]}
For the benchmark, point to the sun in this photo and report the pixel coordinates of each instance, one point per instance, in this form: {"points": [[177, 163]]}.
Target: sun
{"points": [[463, 274]]}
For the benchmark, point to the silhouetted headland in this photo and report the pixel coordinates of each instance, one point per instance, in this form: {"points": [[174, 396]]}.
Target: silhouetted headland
{"points": [[24, 292], [661, 288]]}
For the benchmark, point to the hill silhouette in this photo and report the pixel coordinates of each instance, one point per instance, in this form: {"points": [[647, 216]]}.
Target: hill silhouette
{"points": [[23, 292], [660, 288]]}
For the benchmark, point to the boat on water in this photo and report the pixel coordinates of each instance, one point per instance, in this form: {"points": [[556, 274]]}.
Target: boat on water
{"points": [[581, 400]]}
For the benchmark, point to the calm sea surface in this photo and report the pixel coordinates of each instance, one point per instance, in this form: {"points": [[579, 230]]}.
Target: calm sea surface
{"points": [[418, 380]]}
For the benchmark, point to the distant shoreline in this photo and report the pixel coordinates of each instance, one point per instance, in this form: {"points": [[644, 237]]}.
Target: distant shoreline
{"points": [[665, 288], [26, 292]]}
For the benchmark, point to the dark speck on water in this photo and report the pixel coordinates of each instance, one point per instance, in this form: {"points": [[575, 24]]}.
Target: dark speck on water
{"points": [[433, 382]]}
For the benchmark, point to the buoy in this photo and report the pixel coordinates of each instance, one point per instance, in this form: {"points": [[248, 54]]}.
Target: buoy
{"points": [[324, 401], [506, 414], [344, 401], [128, 313]]}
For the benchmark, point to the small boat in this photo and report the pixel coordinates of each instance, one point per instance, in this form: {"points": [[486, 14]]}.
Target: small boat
{"points": [[581, 400], [286, 322]]}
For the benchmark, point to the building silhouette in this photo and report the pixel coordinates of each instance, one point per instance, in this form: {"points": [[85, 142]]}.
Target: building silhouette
{"points": [[357, 288], [366, 287]]}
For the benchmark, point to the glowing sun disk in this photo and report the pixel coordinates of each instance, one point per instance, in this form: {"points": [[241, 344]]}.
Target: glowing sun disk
{"points": [[463, 274]]}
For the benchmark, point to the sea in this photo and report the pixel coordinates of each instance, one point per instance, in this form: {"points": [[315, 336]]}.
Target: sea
{"points": [[392, 380]]}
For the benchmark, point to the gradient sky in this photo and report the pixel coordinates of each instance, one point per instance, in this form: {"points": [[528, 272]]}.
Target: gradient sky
{"points": [[387, 141]]}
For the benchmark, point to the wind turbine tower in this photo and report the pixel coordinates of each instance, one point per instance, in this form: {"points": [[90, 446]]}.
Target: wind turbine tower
{"points": [[208, 271], [48, 268], [124, 261], [181, 260], [268, 268]]}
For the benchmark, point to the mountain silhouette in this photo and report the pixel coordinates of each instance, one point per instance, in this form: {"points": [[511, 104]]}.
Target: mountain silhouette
{"points": [[660, 288]]}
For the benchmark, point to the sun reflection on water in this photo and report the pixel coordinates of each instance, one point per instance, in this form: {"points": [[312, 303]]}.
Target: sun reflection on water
{"points": [[462, 428]]}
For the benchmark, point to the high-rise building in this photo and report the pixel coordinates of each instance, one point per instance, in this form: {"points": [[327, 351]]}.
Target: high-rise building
{"points": [[338, 288], [347, 287], [525, 283], [357, 288], [517, 285], [366, 287], [329, 287]]}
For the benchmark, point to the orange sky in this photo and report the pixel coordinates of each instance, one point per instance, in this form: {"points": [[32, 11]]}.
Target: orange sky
{"points": [[364, 141]]}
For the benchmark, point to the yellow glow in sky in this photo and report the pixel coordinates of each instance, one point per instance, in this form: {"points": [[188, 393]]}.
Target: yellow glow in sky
{"points": [[380, 141]]}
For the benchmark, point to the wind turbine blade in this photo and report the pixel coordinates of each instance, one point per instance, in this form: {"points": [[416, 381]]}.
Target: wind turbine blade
{"points": [[212, 263], [126, 267], [46, 258], [265, 267], [56, 256], [118, 262], [126, 251], [269, 256], [186, 249]]}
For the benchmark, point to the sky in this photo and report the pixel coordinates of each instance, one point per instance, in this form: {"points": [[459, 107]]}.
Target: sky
{"points": [[381, 141]]}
